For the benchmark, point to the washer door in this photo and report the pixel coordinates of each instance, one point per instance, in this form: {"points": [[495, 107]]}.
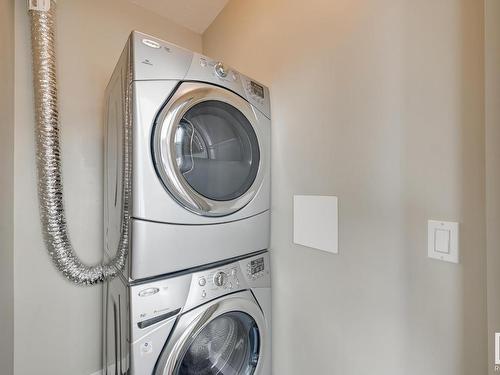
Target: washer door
{"points": [[206, 149], [225, 339]]}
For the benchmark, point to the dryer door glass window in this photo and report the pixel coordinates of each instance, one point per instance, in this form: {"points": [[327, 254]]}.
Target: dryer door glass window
{"points": [[216, 150], [228, 345]]}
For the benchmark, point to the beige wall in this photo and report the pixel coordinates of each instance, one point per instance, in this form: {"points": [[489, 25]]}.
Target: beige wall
{"points": [[380, 103], [58, 324], [6, 185], [492, 79]]}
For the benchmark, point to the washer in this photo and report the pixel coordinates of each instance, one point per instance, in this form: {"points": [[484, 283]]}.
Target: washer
{"points": [[199, 137], [214, 320]]}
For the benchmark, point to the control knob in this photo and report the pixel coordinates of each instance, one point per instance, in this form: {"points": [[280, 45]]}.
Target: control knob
{"points": [[220, 70], [220, 278]]}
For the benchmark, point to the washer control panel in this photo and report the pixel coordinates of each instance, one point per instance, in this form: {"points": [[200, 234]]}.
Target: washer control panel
{"points": [[212, 283], [253, 272], [220, 279], [256, 268]]}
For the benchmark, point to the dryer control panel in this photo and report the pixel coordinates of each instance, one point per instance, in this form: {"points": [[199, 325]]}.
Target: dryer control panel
{"points": [[156, 59], [207, 70]]}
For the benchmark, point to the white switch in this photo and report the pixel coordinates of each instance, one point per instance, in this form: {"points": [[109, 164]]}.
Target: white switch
{"points": [[443, 238], [315, 222]]}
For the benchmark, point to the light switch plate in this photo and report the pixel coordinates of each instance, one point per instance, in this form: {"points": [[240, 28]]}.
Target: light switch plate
{"points": [[443, 240], [315, 222]]}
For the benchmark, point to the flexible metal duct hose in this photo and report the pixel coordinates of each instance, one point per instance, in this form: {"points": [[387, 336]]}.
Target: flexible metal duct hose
{"points": [[50, 189]]}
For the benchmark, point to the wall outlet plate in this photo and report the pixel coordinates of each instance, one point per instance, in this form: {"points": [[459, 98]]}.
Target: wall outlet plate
{"points": [[443, 241]]}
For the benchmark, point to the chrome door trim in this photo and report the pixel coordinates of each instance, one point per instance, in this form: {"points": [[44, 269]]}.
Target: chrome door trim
{"points": [[173, 353], [188, 95]]}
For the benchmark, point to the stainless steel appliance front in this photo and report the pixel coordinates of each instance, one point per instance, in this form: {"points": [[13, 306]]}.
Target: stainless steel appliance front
{"points": [[214, 320]]}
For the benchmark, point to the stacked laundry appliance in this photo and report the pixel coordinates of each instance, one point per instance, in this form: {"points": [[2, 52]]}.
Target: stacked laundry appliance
{"points": [[187, 191]]}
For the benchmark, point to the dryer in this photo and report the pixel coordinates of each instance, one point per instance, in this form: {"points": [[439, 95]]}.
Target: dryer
{"points": [[197, 134], [213, 320]]}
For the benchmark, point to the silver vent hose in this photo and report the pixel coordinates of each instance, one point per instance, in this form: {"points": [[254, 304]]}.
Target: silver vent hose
{"points": [[50, 189]]}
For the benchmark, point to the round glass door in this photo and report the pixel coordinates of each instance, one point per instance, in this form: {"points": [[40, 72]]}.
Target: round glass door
{"points": [[206, 149], [216, 150], [228, 345]]}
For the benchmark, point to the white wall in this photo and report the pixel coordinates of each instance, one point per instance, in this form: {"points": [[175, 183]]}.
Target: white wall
{"points": [[6, 185], [492, 49], [381, 103], [57, 324]]}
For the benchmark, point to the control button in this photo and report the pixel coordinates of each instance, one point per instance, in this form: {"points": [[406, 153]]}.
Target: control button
{"points": [[203, 294], [148, 292], [235, 76], [147, 348], [220, 70], [233, 271], [237, 282], [220, 278], [230, 285], [202, 281], [203, 62]]}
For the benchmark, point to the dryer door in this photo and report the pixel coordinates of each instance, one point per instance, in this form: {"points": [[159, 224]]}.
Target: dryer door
{"points": [[224, 338], [206, 149]]}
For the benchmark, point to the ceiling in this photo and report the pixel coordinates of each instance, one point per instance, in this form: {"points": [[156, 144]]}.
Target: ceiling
{"points": [[196, 15]]}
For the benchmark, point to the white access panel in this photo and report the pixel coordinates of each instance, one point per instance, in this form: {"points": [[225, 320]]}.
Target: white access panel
{"points": [[315, 222]]}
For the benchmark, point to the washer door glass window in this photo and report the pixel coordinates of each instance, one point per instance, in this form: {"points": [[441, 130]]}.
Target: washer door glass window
{"points": [[228, 345], [216, 150]]}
